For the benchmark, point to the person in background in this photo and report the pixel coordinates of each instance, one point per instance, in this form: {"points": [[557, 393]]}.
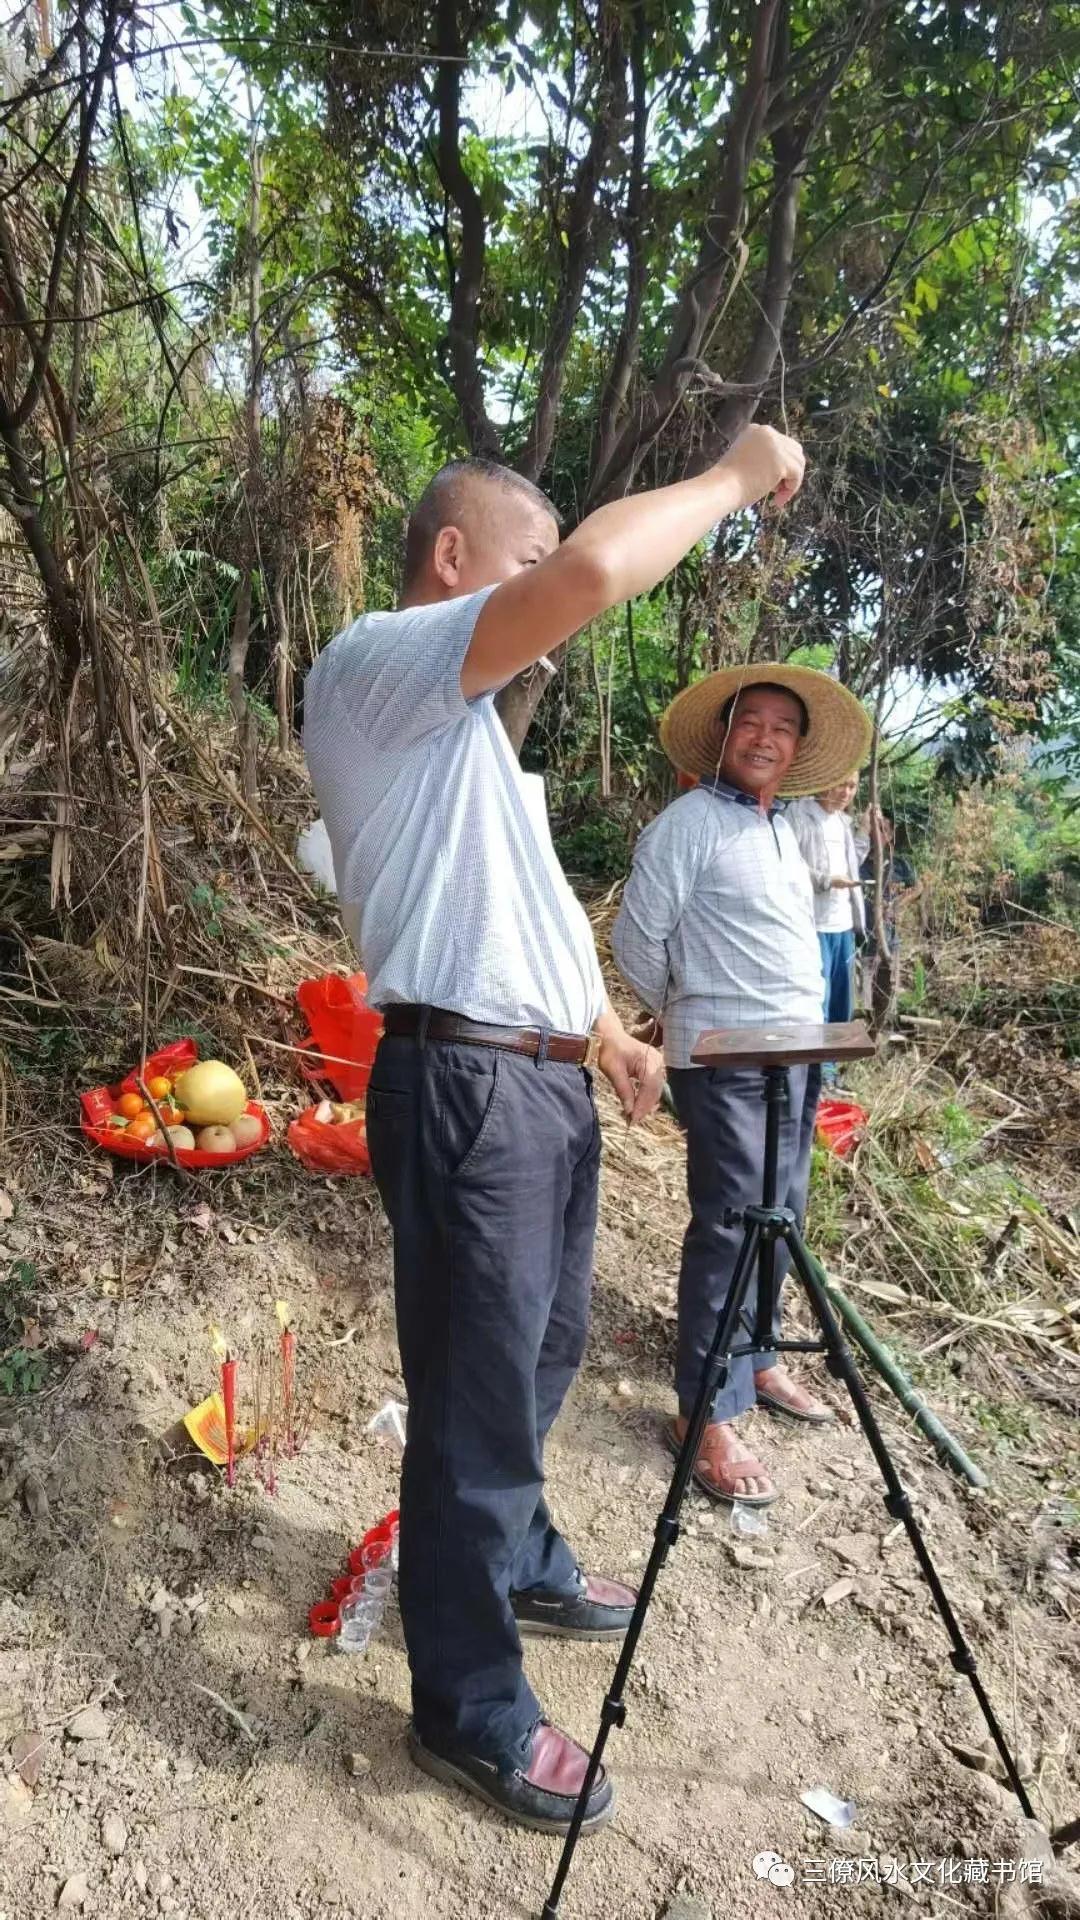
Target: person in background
{"points": [[482, 1127], [716, 930], [827, 844], [899, 885]]}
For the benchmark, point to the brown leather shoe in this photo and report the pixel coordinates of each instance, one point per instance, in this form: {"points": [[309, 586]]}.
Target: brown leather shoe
{"points": [[542, 1796], [599, 1610]]}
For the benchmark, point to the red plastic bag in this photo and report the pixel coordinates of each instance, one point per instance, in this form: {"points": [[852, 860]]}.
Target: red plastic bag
{"points": [[324, 1147], [344, 1032], [840, 1124], [171, 1061]]}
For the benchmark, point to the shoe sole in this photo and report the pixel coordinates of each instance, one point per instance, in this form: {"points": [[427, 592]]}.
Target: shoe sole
{"points": [[544, 1632], [777, 1411], [452, 1776]]}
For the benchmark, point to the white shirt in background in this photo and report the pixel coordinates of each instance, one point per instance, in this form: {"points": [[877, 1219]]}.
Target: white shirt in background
{"points": [[828, 846], [832, 910]]}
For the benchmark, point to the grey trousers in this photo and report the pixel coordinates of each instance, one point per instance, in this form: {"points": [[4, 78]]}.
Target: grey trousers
{"points": [[723, 1114]]}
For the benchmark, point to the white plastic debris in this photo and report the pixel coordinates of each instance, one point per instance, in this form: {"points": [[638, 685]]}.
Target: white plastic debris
{"points": [[389, 1423], [314, 855], [835, 1813], [748, 1519]]}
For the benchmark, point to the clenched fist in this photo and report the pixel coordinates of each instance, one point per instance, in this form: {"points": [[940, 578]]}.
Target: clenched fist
{"points": [[765, 463]]}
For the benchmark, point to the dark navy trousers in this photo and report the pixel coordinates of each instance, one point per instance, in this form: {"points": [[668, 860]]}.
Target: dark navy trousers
{"points": [[487, 1163]]}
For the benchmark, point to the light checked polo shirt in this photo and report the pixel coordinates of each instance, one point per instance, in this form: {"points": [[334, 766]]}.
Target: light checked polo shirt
{"points": [[448, 880], [716, 927]]}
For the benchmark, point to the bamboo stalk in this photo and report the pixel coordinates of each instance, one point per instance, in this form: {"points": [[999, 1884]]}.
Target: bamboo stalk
{"points": [[913, 1403]]}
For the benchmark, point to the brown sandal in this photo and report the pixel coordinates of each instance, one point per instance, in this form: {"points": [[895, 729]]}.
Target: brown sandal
{"points": [[748, 1469]]}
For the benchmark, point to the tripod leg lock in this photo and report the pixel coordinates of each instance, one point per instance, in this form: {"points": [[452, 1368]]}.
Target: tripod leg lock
{"points": [[963, 1660], [667, 1531], [613, 1712], [898, 1505]]}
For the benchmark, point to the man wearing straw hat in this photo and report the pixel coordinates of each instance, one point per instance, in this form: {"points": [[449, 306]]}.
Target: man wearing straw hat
{"points": [[484, 1137], [716, 929]]}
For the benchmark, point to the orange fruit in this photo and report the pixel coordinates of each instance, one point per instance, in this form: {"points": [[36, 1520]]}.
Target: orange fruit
{"points": [[129, 1104], [159, 1087], [142, 1126], [170, 1116]]}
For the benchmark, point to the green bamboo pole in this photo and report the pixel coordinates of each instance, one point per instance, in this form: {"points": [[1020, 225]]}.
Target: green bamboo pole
{"points": [[879, 1355]]}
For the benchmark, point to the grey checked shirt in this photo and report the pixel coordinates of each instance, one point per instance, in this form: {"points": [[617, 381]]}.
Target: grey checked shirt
{"points": [[716, 927], [448, 880]]}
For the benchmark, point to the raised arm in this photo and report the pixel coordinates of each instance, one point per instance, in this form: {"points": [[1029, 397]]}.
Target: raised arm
{"points": [[622, 550]]}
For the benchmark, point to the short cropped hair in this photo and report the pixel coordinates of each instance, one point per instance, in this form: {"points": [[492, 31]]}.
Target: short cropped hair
{"points": [[440, 504], [766, 686]]}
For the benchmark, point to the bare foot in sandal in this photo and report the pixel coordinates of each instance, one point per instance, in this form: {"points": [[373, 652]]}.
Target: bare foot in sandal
{"points": [[726, 1468]]}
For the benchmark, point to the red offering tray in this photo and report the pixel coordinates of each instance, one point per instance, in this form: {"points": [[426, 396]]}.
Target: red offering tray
{"points": [[840, 1124], [100, 1102]]}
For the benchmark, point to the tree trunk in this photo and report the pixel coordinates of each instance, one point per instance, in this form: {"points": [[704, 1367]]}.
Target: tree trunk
{"points": [[517, 703], [577, 248], [467, 269], [702, 289], [883, 981], [242, 713], [241, 631], [282, 664]]}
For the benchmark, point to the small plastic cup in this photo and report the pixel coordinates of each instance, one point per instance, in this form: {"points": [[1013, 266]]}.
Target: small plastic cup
{"points": [[377, 1583]]}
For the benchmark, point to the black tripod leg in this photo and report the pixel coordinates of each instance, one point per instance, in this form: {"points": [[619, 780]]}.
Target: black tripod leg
{"points": [[841, 1364], [613, 1712]]}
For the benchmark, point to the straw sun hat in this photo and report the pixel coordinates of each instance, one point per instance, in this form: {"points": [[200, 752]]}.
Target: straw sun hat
{"points": [[836, 742]]}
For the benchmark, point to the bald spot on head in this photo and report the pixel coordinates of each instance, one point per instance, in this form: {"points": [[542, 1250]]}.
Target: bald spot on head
{"points": [[491, 505]]}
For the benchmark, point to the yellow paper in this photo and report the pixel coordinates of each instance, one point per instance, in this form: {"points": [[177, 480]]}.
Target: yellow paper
{"points": [[206, 1426]]}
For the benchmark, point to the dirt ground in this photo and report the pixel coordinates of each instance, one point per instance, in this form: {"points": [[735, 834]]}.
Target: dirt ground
{"points": [[145, 1592]]}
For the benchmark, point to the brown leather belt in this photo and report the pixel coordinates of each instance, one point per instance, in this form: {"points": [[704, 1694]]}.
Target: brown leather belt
{"points": [[569, 1049]]}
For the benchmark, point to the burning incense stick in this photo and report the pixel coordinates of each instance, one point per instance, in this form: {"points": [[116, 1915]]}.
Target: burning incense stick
{"points": [[288, 1371], [271, 1427], [228, 1400], [307, 1418]]}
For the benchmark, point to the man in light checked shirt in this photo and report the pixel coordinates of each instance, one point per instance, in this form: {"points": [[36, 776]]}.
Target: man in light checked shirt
{"points": [[716, 930], [481, 1123]]}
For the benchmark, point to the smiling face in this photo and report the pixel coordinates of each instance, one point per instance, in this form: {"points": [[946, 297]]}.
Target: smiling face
{"points": [[763, 736]]}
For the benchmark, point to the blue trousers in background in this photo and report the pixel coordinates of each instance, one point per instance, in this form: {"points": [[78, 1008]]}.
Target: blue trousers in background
{"points": [[838, 966]]}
